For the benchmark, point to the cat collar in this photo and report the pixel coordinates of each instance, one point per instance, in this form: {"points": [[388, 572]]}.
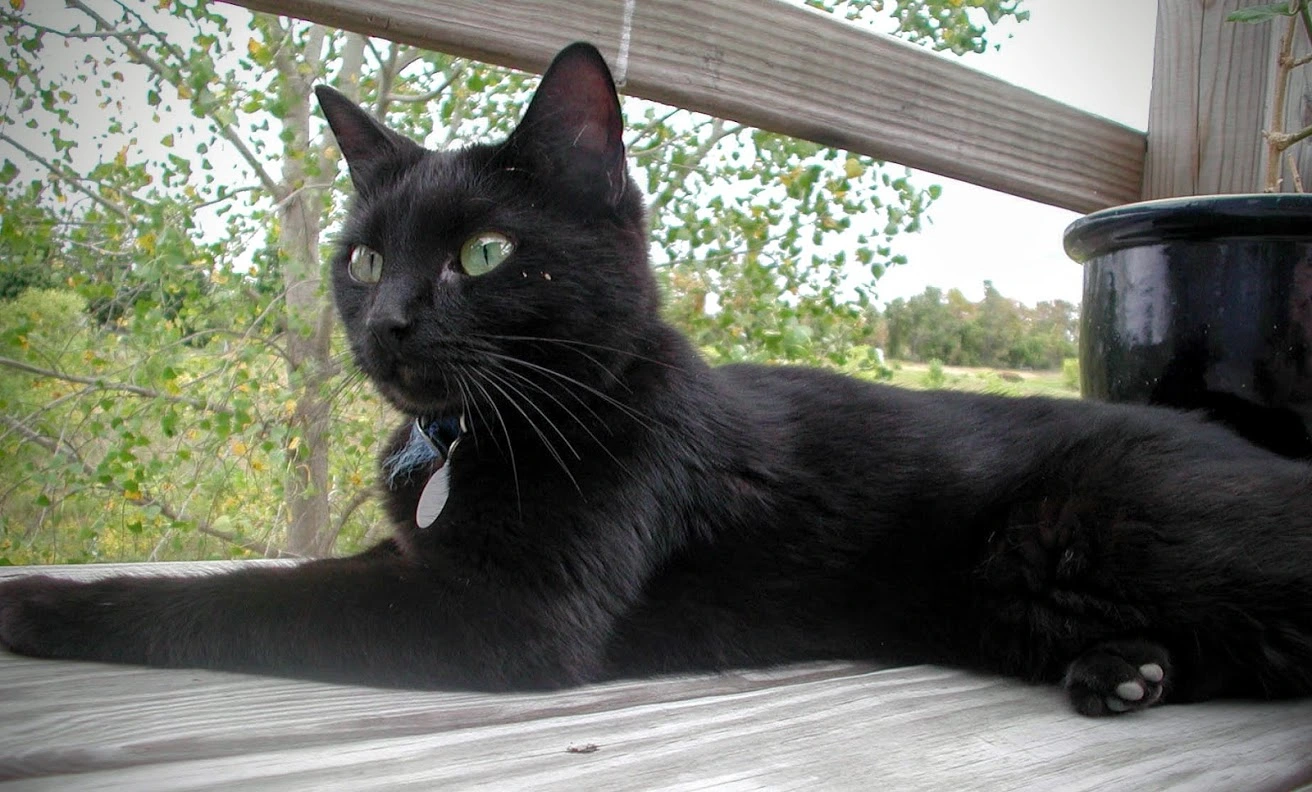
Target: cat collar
{"points": [[441, 433], [429, 446]]}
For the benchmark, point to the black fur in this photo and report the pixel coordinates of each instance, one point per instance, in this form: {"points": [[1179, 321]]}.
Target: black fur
{"points": [[619, 508]]}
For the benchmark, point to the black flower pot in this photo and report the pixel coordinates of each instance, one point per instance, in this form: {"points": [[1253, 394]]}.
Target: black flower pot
{"points": [[1203, 303]]}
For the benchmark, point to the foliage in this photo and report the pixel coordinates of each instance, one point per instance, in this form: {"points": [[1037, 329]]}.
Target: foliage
{"points": [[1070, 373], [173, 384], [957, 26], [934, 377], [996, 331]]}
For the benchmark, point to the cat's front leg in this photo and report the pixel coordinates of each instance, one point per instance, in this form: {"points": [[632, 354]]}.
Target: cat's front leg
{"points": [[376, 620]]}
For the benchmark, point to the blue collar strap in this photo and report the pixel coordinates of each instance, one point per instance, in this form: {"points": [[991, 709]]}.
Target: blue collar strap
{"points": [[431, 441]]}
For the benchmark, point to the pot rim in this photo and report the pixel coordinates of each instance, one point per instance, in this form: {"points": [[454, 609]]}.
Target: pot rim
{"points": [[1285, 216]]}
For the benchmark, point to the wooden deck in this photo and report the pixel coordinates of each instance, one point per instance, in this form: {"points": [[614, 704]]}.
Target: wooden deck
{"points": [[78, 726]]}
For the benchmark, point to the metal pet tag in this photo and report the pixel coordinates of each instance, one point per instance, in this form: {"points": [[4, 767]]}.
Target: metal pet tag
{"points": [[433, 498]]}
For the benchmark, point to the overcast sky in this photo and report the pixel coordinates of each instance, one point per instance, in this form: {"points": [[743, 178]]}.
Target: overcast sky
{"points": [[1094, 54]]}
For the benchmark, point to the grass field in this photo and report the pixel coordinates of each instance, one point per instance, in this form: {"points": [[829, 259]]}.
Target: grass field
{"points": [[921, 376]]}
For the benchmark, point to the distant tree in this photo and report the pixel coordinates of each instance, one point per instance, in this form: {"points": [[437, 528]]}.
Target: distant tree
{"points": [[996, 331]]}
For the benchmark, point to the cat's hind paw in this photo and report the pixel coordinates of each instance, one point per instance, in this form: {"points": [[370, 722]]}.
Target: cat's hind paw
{"points": [[1118, 677]]}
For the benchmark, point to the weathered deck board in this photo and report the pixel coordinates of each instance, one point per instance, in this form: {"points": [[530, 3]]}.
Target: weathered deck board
{"points": [[71, 726]]}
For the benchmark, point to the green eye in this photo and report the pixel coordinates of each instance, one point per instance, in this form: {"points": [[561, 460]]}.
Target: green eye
{"points": [[365, 264], [481, 253]]}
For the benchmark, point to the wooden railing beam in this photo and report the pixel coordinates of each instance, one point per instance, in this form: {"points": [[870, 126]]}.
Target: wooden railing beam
{"points": [[792, 70]]}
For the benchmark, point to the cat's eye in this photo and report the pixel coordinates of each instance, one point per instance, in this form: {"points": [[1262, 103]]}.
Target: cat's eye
{"points": [[482, 252], [365, 264]]}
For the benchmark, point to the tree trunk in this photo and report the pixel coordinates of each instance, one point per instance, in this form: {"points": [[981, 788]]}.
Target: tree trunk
{"points": [[309, 310]]}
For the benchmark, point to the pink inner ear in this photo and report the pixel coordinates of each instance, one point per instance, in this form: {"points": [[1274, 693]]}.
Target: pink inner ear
{"points": [[357, 141], [581, 96]]}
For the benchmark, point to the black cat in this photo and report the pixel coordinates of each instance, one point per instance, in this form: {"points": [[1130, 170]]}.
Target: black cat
{"points": [[580, 497]]}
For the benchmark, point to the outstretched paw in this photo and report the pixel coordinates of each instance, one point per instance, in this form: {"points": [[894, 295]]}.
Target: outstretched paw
{"points": [[38, 615], [1117, 677]]}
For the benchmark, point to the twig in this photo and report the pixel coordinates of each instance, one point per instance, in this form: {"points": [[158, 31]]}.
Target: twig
{"points": [[1293, 169], [1277, 140], [648, 129]]}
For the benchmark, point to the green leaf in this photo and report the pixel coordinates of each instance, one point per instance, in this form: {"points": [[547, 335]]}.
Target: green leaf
{"points": [[1262, 13]]}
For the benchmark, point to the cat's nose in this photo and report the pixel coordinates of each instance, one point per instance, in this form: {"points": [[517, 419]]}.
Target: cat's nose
{"points": [[388, 329]]}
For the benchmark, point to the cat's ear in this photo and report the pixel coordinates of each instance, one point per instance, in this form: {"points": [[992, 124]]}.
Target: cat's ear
{"points": [[574, 124], [367, 146]]}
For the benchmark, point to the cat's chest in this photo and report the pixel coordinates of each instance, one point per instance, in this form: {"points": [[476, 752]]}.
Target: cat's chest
{"points": [[454, 481]]}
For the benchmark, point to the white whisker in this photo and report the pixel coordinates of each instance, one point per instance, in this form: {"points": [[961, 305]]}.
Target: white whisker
{"points": [[624, 408], [546, 442]]}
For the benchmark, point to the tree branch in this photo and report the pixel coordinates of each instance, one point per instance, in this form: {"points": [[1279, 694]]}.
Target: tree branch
{"points": [[1283, 142], [67, 177], [386, 76], [116, 386], [48, 443], [359, 499], [429, 95], [414, 56], [15, 22], [304, 187], [228, 195], [647, 129]]}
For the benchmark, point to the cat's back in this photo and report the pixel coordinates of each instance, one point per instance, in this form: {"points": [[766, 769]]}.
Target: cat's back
{"points": [[824, 426], [819, 427], [824, 404]]}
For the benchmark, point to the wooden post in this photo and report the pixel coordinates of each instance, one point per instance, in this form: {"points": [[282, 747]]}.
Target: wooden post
{"points": [[1213, 84]]}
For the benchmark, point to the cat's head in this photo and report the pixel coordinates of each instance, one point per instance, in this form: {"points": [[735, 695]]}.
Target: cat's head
{"points": [[468, 274]]}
